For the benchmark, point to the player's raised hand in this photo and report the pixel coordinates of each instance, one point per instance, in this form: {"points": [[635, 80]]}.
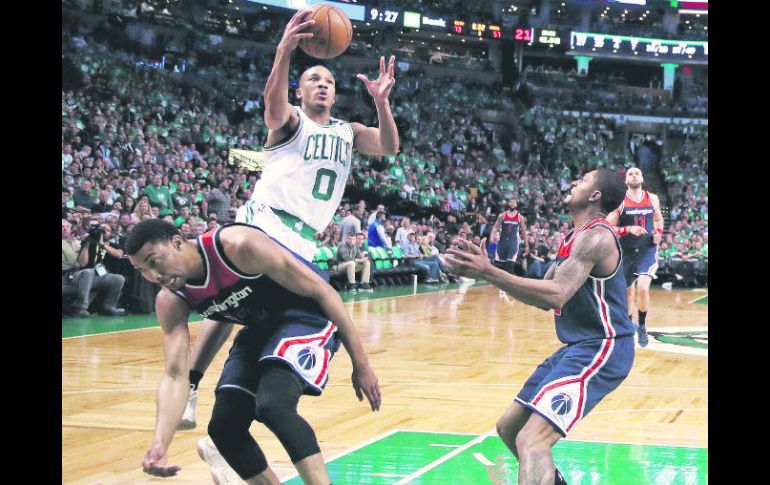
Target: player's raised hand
{"points": [[365, 384], [155, 462], [296, 30], [380, 88], [468, 259]]}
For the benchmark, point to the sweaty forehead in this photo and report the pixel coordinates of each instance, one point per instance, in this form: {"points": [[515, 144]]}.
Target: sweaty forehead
{"points": [[320, 70]]}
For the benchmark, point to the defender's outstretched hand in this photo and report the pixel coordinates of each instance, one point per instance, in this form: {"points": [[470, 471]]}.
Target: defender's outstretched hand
{"points": [[295, 30], [365, 384], [468, 259], [155, 463], [380, 88]]}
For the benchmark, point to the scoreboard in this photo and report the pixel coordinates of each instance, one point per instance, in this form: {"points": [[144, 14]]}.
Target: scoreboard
{"points": [[577, 43], [640, 47]]}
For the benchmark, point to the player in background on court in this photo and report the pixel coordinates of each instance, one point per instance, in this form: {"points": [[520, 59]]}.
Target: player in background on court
{"points": [[510, 225], [293, 324], [308, 155], [586, 290], [639, 224]]}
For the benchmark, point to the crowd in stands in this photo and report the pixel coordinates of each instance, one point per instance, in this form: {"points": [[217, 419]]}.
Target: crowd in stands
{"points": [[686, 174], [612, 92], [136, 144]]}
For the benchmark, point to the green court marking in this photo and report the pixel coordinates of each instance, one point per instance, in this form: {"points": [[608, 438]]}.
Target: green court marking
{"points": [[394, 457], [78, 327], [387, 460], [702, 301], [693, 339]]}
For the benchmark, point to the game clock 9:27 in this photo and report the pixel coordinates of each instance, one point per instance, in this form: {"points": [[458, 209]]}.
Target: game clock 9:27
{"points": [[387, 16]]}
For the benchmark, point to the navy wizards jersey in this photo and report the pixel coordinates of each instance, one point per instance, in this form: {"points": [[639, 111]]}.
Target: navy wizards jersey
{"points": [[598, 310], [509, 234], [637, 213], [226, 294]]}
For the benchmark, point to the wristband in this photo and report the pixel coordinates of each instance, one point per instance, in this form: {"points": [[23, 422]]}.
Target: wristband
{"points": [[622, 230], [659, 230]]}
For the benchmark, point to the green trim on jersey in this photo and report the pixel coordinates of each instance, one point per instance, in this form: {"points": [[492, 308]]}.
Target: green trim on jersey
{"points": [[291, 139], [296, 224]]}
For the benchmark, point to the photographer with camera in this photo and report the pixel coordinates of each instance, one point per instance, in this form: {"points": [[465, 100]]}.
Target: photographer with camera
{"points": [[83, 267]]}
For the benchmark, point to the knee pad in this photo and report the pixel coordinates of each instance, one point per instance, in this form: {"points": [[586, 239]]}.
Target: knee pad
{"points": [[231, 418], [276, 407], [229, 430]]}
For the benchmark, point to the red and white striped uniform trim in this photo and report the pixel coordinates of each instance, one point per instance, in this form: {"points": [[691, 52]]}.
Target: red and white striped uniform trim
{"points": [[322, 337], [589, 371]]}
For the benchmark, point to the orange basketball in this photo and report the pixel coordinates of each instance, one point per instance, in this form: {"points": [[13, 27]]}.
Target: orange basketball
{"points": [[332, 32]]}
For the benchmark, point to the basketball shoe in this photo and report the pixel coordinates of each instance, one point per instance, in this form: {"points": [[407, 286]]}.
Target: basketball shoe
{"points": [[220, 470], [188, 418], [641, 333]]}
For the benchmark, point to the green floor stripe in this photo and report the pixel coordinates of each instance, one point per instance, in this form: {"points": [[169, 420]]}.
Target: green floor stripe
{"points": [[702, 301], [392, 458], [387, 460], [76, 327]]}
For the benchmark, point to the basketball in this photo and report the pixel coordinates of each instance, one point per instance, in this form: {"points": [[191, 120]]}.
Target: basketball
{"points": [[332, 32]]}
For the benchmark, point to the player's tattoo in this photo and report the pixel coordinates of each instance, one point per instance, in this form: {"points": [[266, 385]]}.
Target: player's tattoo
{"points": [[586, 252]]}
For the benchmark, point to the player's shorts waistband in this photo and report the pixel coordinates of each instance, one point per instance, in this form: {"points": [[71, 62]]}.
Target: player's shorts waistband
{"points": [[295, 224]]}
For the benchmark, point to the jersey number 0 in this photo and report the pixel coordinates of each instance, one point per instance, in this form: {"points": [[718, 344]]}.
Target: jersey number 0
{"points": [[324, 184]]}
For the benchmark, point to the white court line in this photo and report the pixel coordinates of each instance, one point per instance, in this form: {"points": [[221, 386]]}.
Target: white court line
{"points": [[441, 445], [699, 298], [483, 459], [389, 475], [448, 456], [366, 443]]}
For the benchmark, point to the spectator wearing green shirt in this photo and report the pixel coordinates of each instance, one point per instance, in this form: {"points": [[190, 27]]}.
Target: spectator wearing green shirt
{"points": [[160, 196], [397, 171], [184, 214]]}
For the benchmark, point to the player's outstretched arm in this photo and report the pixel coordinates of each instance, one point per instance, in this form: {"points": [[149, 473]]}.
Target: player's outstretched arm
{"points": [[587, 251], [254, 252], [172, 393], [382, 140], [278, 111]]}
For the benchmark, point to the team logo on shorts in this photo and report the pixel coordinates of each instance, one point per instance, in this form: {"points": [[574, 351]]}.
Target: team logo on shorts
{"points": [[561, 404], [306, 358]]}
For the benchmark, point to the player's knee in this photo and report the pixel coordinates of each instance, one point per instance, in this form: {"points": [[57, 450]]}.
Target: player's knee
{"points": [[505, 429], [222, 430], [271, 409], [529, 440]]}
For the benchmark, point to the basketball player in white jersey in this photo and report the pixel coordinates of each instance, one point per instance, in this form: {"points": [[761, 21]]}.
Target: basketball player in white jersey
{"points": [[308, 155]]}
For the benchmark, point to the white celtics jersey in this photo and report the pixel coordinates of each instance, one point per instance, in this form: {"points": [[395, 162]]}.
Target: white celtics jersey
{"points": [[306, 174]]}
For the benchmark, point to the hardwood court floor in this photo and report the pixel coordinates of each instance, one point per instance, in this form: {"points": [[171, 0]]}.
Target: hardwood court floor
{"points": [[447, 362]]}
